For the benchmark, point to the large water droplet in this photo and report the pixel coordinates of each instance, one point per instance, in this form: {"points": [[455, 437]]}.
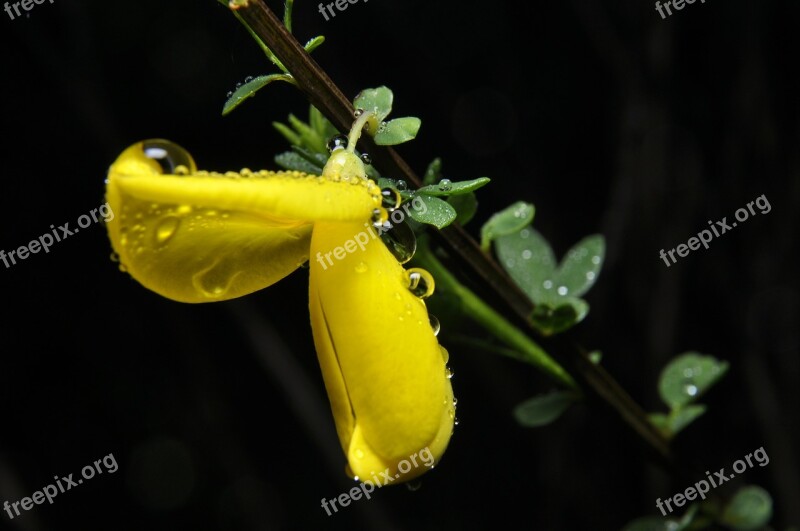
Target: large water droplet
{"points": [[401, 242], [166, 229], [168, 155], [390, 198], [336, 143], [402, 185], [445, 354], [445, 185], [366, 159], [420, 282]]}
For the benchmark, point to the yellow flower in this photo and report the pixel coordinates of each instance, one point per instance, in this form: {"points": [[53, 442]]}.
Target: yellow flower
{"points": [[195, 236]]}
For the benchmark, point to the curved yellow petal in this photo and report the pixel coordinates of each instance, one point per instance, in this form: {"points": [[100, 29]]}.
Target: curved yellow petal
{"points": [[382, 365], [200, 237]]}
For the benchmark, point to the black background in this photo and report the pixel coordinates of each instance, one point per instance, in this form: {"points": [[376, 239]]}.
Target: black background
{"points": [[606, 117]]}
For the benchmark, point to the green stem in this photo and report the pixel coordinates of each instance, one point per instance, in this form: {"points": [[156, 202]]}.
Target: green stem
{"points": [[521, 346], [355, 131]]}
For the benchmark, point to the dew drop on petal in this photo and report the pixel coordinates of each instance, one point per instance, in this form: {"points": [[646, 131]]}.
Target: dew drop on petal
{"points": [[435, 325], [420, 282]]}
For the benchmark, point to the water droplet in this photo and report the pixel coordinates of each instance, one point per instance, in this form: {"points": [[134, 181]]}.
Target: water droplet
{"points": [[336, 143], [169, 156], [562, 290], [526, 254], [215, 281], [391, 198], [452, 413], [358, 112], [402, 185], [380, 216], [595, 260], [114, 257], [123, 268], [358, 453], [690, 389], [229, 94], [401, 242], [445, 185], [248, 79], [361, 267], [455, 401], [448, 373], [180, 169], [382, 127], [420, 282], [590, 275], [688, 372], [166, 229], [524, 233], [366, 159], [455, 421], [435, 325], [548, 284], [445, 354]]}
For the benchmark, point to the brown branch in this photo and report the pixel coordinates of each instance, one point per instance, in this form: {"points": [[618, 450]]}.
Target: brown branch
{"points": [[323, 93]]}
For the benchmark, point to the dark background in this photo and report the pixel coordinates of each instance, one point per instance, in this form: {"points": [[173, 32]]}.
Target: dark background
{"points": [[606, 117]]}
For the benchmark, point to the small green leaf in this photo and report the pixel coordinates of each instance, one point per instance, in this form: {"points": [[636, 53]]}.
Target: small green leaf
{"points": [[680, 418], [446, 187], [466, 205], [580, 267], [434, 172], [310, 138], [314, 43], [508, 221], [651, 523], [433, 212], [529, 260], [293, 138], [398, 131], [544, 409], [750, 508], [292, 161], [687, 377], [661, 422], [551, 320], [377, 101], [249, 89]]}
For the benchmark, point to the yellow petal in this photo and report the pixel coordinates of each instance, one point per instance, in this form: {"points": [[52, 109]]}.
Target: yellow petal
{"points": [[200, 237], [382, 364]]}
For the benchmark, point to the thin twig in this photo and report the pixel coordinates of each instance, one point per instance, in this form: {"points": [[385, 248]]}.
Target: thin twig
{"points": [[323, 93]]}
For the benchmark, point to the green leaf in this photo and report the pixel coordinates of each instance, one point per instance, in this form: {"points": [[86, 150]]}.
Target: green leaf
{"points": [[580, 267], [544, 409], [316, 159], [687, 377], [750, 508], [508, 221], [310, 138], [466, 205], [446, 187], [434, 172], [680, 418], [291, 160], [435, 212], [293, 138], [398, 131], [651, 523], [595, 357], [551, 320], [248, 90], [314, 43], [529, 260], [377, 101]]}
